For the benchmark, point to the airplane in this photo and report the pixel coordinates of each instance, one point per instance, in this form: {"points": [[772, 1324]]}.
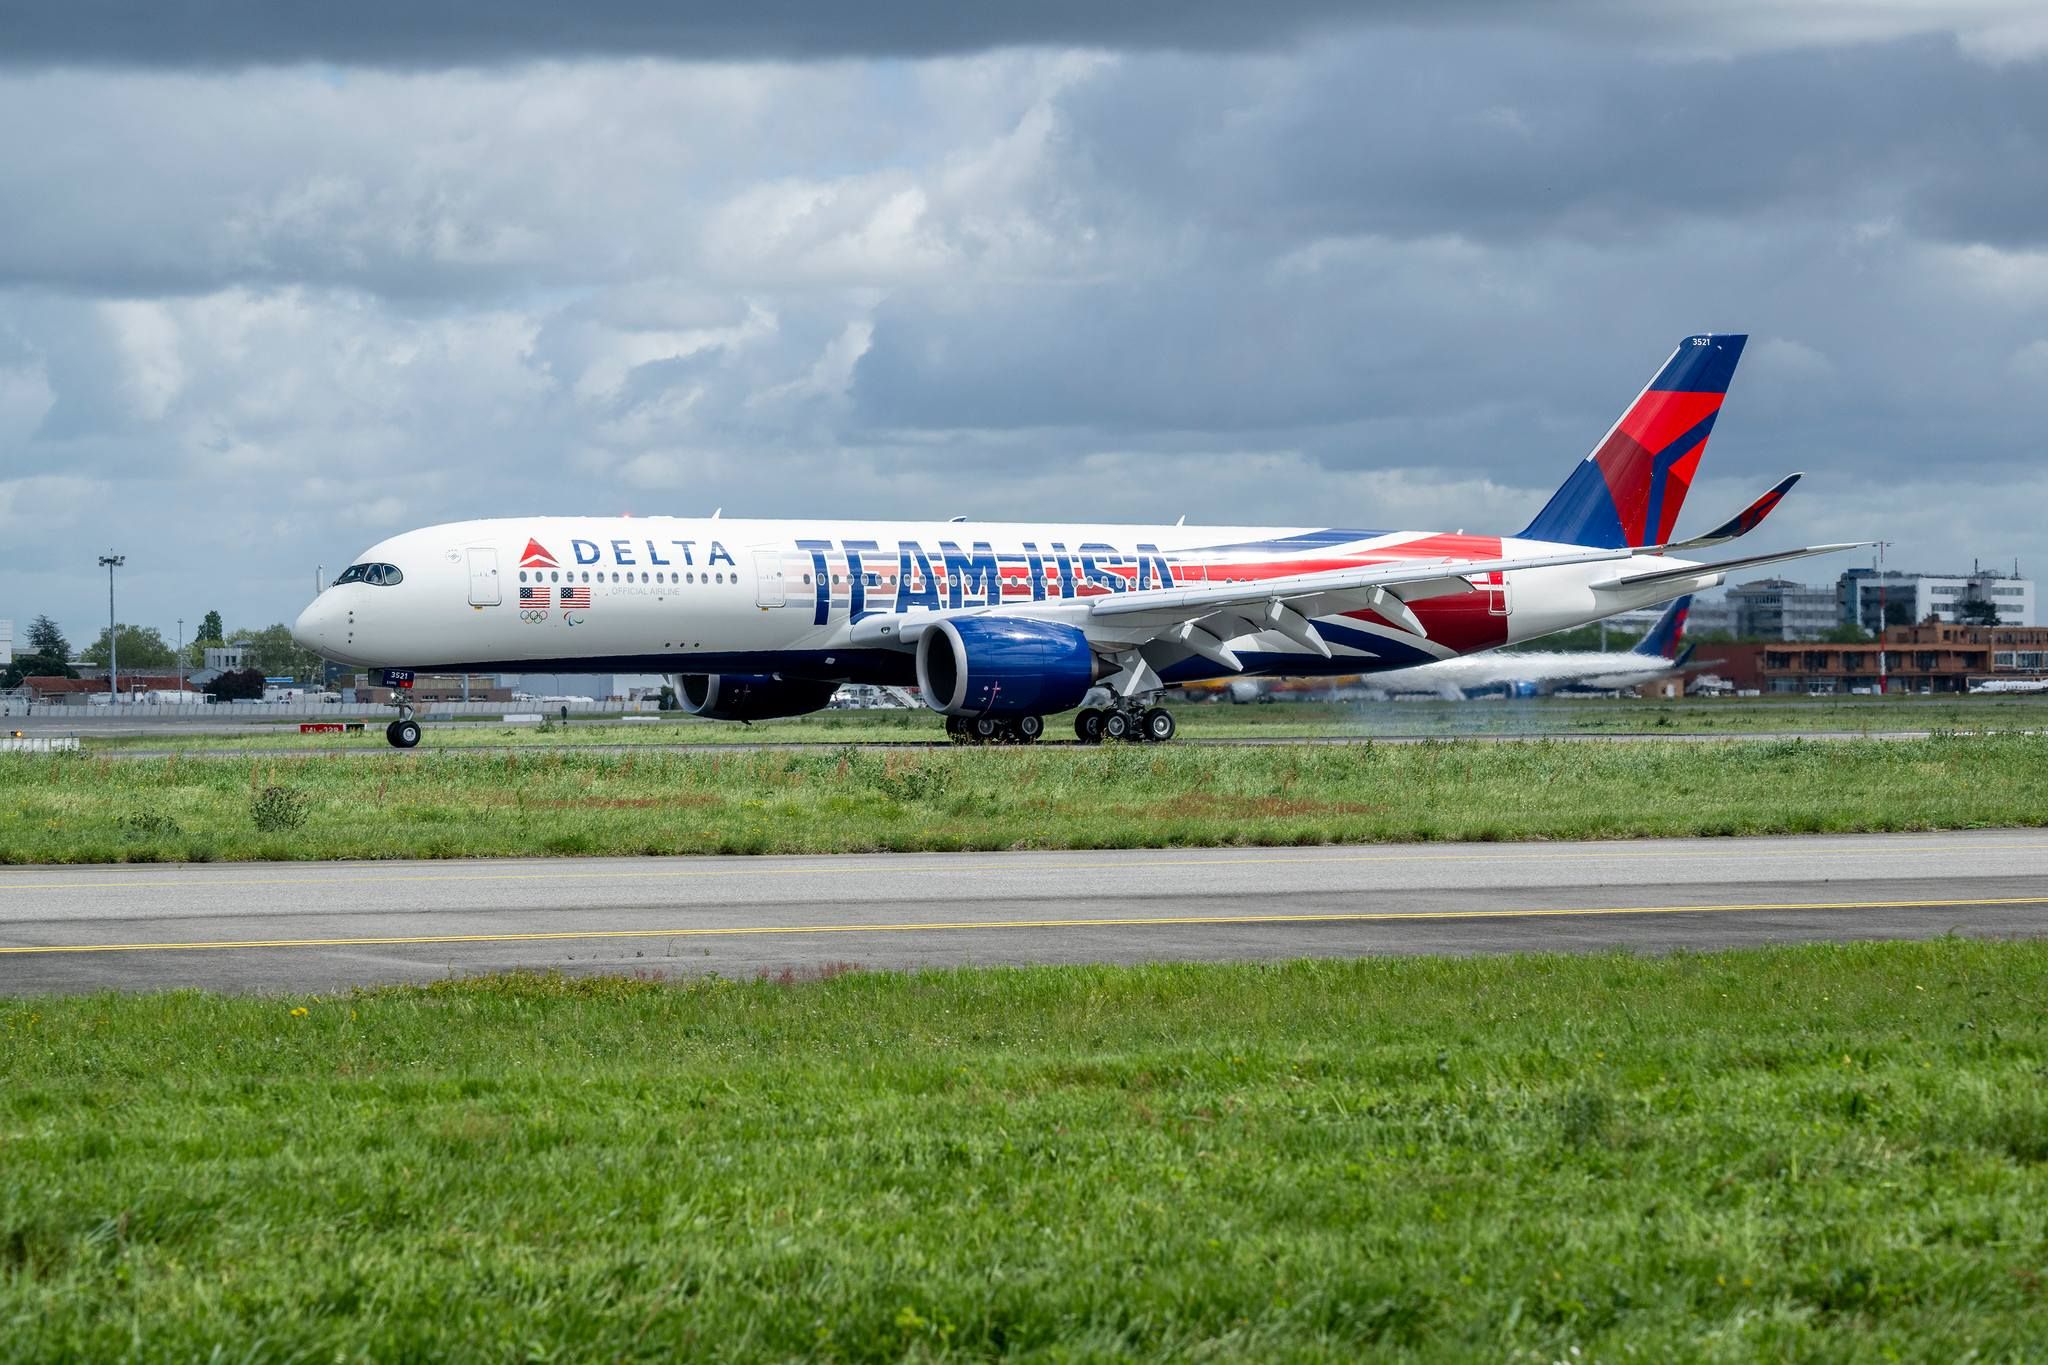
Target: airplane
{"points": [[1656, 655], [1001, 624]]}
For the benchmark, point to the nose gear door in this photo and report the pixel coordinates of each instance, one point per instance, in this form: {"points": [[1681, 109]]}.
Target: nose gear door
{"points": [[483, 576]]}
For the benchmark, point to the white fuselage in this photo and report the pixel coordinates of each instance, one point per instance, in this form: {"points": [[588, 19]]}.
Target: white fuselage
{"points": [[1546, 671], [685, 596]]}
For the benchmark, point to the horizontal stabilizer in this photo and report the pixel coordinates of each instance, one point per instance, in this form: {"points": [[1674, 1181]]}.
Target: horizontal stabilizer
{"points": [[1686, 573]]}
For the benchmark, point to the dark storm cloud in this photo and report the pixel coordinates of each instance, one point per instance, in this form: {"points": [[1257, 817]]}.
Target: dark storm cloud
{"points": [[463, 32], [1535, 136]]}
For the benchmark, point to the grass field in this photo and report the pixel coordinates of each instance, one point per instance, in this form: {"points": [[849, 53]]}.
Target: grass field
{"points": [[77, 808], [1830, 1153], [1280, 720]]}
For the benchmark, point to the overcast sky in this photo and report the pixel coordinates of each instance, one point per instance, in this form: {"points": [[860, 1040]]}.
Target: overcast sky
{"points": [[277, 281]]}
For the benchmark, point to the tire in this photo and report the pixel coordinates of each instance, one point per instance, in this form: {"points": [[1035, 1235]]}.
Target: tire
{"points": [[391, 734], [986, 730], [1116, 725], [405, 733], [1088, 725], [956, 729], [1028, 728], [1158, 725]]}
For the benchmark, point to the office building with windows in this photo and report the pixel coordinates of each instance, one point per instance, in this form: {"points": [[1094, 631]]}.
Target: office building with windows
{"points": [[1872, 599], [1779, 609]]}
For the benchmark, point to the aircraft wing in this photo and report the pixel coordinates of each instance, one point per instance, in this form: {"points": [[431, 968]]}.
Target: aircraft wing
{"points": [[1203, 617]]}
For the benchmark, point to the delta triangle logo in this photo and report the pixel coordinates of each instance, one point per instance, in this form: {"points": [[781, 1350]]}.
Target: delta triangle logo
{"points": [[536, 557]]}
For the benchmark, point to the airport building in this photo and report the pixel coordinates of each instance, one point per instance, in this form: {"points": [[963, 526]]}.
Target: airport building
{"points": [[90, 690], [1870, 598], [428, 687], [1931, 657], [1779, 609]]}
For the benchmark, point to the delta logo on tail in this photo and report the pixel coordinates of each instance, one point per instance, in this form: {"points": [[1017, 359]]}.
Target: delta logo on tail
{"points": [[1662, 641], [537, 557], [1629, 490]]}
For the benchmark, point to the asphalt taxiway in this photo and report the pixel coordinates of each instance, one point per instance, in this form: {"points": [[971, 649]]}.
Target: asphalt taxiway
{"points": [[325, 926]]}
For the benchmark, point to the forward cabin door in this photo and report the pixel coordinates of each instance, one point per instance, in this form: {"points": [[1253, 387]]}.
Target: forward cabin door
{"points": [[768, 585], [483, 576]]}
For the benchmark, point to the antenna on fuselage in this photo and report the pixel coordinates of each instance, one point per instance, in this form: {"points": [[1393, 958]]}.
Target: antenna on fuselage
{"points": [[1181, 520], [715, 511]]}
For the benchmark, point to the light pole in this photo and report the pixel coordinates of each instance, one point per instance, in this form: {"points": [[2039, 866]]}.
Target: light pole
{"points": [[111, 563], [181, 658]]}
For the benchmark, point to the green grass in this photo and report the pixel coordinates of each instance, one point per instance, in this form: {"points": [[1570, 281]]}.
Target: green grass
{"points": [[440, 804], [1216, 720], [1834, 1153]]}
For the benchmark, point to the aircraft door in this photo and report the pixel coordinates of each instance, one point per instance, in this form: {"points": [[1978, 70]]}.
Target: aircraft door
{"points": [[1495, 586], [483, 576], [768, 583]]}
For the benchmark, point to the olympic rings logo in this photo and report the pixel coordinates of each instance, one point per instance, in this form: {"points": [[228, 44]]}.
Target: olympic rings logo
{"points": [[533, 618]]}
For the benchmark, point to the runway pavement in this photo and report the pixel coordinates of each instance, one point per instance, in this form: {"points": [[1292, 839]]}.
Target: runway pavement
{"points": [[324, 926], [385, 753]]}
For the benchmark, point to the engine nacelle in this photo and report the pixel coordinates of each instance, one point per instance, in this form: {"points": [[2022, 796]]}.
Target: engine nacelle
{"points": [[750, 696], [1005, 666]]}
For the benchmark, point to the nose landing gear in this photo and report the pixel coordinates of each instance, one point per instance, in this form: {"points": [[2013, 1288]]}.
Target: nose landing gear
{"points": [[403, 733]]}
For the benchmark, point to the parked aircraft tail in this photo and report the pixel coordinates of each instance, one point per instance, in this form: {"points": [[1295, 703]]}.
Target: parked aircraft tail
{"points": [[1662, 641], [1628, 491]]}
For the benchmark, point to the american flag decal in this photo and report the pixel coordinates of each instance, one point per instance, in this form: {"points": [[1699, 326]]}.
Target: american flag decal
{"points": [[534, 597], [575, 597]]}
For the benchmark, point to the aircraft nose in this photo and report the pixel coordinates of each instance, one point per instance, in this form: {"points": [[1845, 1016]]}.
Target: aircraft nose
{"points": [[314, 629]]}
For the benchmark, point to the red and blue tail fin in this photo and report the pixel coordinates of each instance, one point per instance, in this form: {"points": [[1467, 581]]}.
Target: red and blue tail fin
{"points": [[1662, 641], [1628, 491]]}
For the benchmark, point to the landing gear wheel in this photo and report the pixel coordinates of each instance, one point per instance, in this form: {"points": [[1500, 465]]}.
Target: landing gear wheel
{"points": [[956, 729], [1159, 726], [403, 734], [1088, 725], [1117, 725], [1029, 728], [987, 730]]}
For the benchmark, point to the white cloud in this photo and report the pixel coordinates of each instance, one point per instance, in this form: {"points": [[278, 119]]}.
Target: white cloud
{"points": [[48, 502], [25, 399], [148, 340]]}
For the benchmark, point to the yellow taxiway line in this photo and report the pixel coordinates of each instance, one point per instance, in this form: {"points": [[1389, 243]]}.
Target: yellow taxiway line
{"points": [[943, 926]]}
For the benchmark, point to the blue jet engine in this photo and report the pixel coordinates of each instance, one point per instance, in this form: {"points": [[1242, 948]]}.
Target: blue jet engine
{"points": [[1005, 666]]}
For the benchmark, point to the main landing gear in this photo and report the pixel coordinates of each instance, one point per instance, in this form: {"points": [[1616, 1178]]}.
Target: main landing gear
{"points": [[995, 729], [403, 733], [1127, 719]]}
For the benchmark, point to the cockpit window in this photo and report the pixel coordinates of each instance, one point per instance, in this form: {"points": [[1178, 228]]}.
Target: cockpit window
{"points": [[376, 575]]}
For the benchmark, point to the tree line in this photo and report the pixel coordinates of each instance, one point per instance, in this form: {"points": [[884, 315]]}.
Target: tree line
{"points": [[268, 652]]}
